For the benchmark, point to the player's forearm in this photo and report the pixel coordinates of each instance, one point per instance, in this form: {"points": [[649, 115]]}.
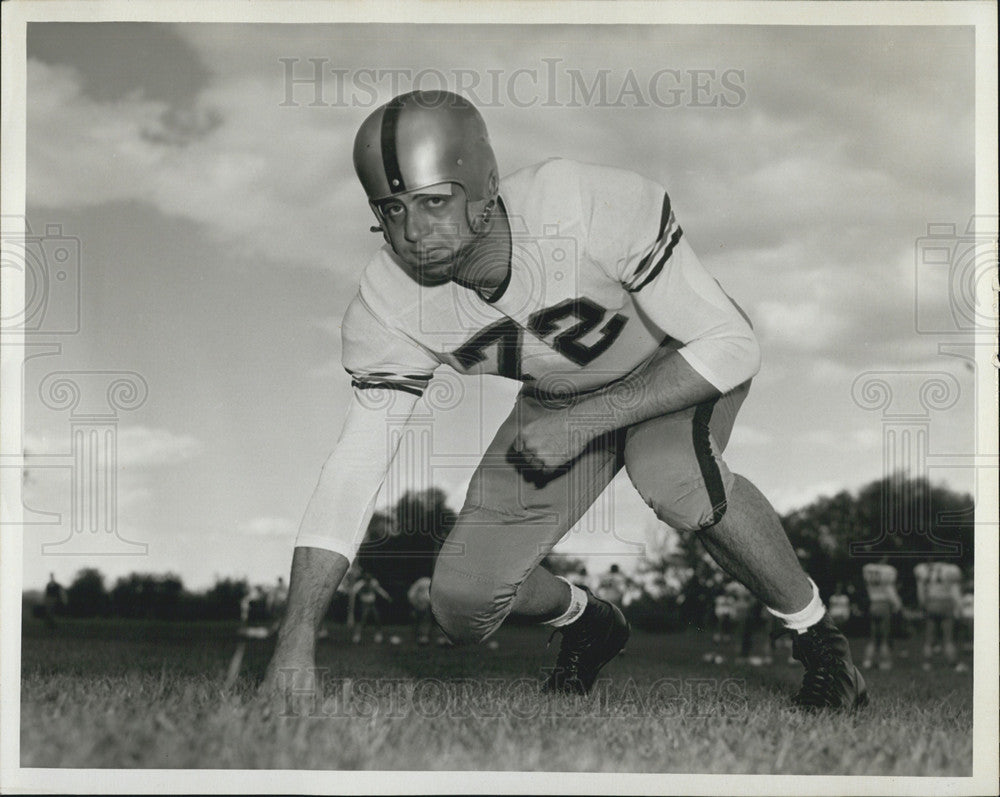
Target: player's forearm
{"points": [[316, 574], [341, 506], [666, 384]]}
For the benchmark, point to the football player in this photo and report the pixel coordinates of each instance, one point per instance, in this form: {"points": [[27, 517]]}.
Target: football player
{"points": [[883, 603], [840, 606], [53, 601], [612, 585], [277, 598], [939, 593], [257, 623], [366, 592], [725, 616], [577, 281], [967, 615], [745, 613], [419, 596]]}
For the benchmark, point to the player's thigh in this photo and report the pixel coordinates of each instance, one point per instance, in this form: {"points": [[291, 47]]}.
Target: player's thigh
{"points": [[675, 461], [509, 523]]}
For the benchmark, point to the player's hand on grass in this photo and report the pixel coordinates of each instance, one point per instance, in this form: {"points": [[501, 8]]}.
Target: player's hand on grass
{"points": [[292, 685]]}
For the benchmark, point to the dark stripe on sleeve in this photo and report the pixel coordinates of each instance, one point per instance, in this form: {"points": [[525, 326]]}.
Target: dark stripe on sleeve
{"points": [[655, 270], [383, 385], [706, 460], [664, 218], [421, 377], [390, 121]]}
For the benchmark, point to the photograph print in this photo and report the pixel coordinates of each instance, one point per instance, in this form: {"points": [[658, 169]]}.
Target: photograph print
{"points": [[508, 398]]}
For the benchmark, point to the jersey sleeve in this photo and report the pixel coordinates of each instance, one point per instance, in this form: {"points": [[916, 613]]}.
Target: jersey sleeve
{"points": [[379, 357], [337, 516], [635, 235], [389, 372]]}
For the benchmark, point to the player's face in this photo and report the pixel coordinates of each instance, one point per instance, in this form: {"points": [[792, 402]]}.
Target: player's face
{"points": [[428, 230]]}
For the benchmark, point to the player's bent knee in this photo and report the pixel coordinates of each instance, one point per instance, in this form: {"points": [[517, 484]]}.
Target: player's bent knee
{"points": [[468, 609], [691, 511]]}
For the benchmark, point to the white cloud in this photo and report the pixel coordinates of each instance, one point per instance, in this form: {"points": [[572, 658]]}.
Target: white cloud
{"points": [[749, 436], [860, 440], [143, 447], [262, 179], [824, 369], [795, 496], [48, 485], [129, 495], [266, 526], [806, 325]]}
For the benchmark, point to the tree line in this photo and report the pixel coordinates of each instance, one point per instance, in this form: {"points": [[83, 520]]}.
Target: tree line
{"points": [[833, 535]]}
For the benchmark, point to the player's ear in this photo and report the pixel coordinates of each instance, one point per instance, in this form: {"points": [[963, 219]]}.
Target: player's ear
{"points": [[480, 222]]}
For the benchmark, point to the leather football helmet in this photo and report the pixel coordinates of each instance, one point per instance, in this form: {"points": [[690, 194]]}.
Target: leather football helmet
{"points": [[424, 138]]}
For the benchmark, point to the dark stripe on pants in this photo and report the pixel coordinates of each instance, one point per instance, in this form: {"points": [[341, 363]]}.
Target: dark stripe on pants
{"points": [[706, 461]]}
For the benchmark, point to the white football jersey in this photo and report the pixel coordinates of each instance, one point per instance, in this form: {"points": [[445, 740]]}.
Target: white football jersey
{"points": [[840, 607], [611, 587], [941, 580], [968, 605], [419, 594], [725, 606], [880, 580], [600, 276]]}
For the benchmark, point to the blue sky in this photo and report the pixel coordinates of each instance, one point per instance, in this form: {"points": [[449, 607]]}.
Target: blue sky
{"points": [[222, 231]]}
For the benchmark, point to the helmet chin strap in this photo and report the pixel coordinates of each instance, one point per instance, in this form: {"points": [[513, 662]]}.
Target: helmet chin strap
{"points": [[380, 227]]}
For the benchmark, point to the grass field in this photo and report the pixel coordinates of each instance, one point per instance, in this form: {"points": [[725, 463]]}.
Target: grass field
{"points": [[143, 694]]}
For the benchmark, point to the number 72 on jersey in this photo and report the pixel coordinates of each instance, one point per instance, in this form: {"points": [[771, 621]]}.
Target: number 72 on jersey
{"points": [[506, 336]]}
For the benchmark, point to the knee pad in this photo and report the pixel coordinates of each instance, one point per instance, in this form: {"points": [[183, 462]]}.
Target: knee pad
{"points": [[686, 506], [466, 607], [680, 475]]}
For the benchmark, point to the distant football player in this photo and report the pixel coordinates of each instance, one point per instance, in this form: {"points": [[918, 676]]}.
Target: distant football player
{"points": [[257, 623], [939, 594], [611, 586], [366, 593], [277, 598], [744, 617], [579, 578], [419, 596], [577, 281], [53, 600], [253, 607], [840, 606], [883, 603], [967, 617], [725, 616]]}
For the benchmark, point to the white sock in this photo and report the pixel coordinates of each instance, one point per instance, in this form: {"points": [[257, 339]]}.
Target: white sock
{"points": [[577, 603], [804, 618]]}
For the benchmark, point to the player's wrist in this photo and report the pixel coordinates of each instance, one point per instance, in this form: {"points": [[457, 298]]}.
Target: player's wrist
{"points": [[298, 638]]}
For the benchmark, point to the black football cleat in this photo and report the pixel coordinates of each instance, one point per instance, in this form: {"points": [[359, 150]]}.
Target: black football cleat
{"points": [[588, 643], [831, 680]]}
